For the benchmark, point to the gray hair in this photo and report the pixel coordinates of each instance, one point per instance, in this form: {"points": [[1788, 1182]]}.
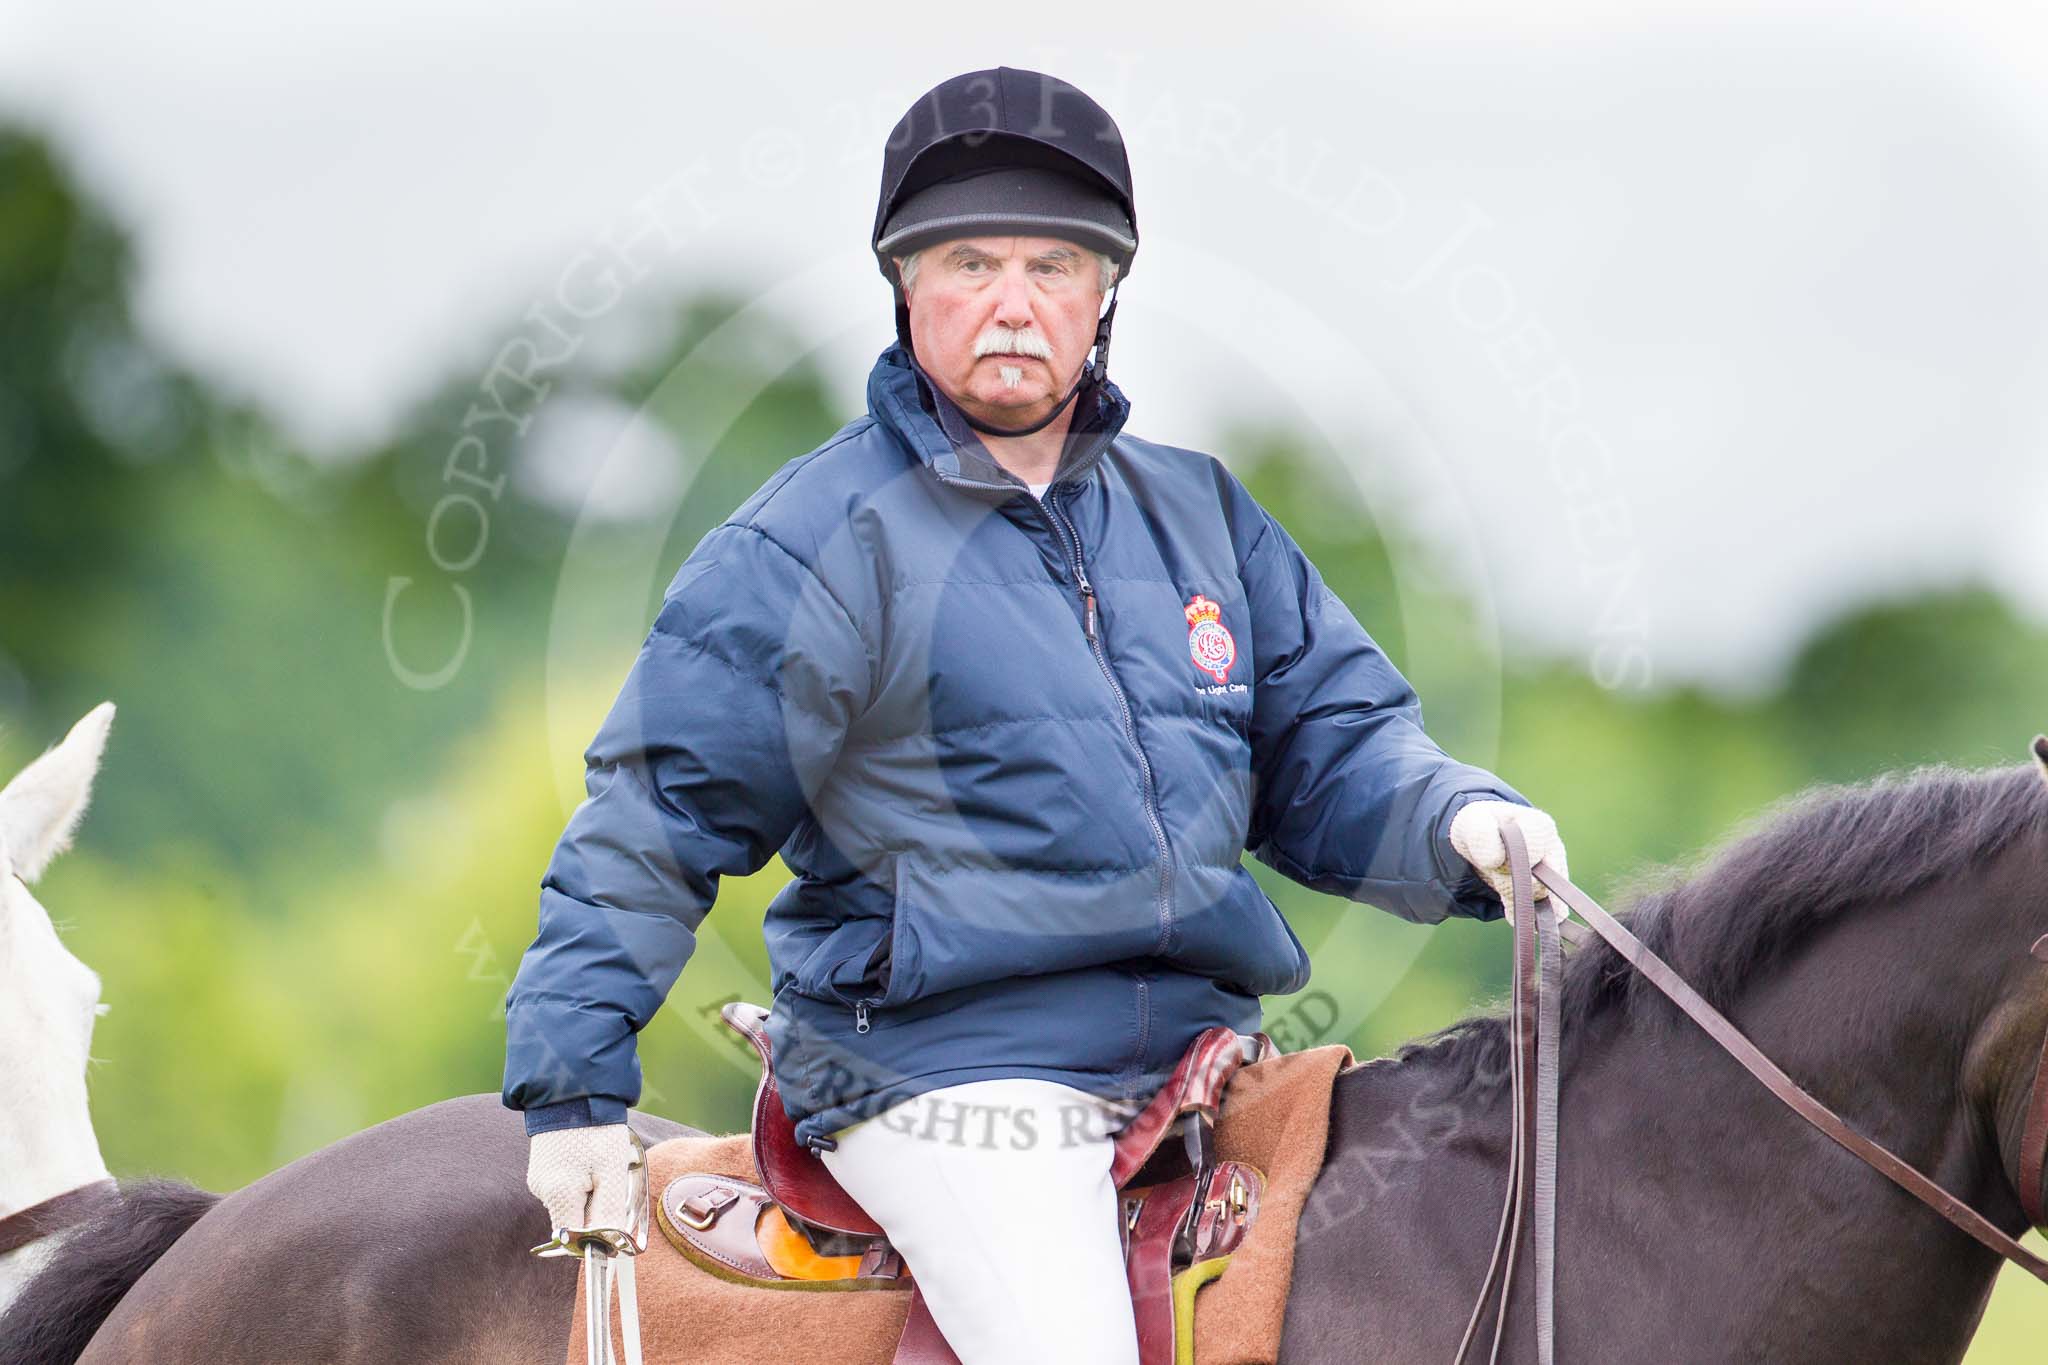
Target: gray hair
{"points": [[1105, 270]]}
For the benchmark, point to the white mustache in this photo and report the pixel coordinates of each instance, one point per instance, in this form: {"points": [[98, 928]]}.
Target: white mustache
{"points": [[1009, 341]]}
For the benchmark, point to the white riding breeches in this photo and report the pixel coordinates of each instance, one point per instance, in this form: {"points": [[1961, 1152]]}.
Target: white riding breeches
{"points": [[997, 1193]]}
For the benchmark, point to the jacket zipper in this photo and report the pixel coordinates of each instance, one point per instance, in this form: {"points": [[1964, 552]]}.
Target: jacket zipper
{"points": [[1089, 628], [1144, 1025], [860, 1006], [1061, 528]]}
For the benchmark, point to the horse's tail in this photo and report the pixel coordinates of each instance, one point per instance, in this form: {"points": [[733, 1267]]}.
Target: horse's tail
{"points": [[58, 1311]]}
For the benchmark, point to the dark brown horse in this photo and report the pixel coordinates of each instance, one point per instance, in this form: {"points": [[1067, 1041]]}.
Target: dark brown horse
{"points": [[1873, 940], [1875, 943]]}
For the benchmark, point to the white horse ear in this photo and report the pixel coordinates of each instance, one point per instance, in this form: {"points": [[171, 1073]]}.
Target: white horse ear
{"points": [[2041, 754], [40, 809]]}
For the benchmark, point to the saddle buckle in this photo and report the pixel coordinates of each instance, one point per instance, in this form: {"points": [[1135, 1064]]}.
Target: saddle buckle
{"points": [[701, 1211], [1234, 1202]]}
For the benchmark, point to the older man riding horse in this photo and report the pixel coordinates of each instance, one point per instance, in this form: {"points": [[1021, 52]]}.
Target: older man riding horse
{"points": [[1011, 691]]}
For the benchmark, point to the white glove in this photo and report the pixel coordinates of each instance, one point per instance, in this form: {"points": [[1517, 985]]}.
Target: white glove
{"points": [[1475, 833], [584, 1176]]}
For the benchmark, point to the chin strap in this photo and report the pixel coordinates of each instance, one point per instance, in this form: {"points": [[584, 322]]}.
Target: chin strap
{"points": [[1096, 369], [1040, 425]]}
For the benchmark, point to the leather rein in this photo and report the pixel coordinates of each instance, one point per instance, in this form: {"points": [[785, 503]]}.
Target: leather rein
{"points": [[1534, 1027], [56, 1214]]}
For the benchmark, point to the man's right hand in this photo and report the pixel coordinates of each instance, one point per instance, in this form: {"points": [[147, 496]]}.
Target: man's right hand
{"points": [[1475, 833], [584, 1176]]}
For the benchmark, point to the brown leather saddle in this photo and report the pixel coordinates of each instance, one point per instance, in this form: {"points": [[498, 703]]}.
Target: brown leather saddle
{"points": [[1178, 1205]]}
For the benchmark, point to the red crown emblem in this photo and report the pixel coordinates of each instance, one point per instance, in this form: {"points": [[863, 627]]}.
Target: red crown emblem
{"points": [[1209, 641]]}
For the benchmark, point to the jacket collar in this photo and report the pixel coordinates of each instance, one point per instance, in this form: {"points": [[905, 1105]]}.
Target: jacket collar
{"points": [[910, 405]]}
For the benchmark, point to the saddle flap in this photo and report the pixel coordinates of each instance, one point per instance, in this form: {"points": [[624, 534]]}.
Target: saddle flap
{"points": [[1173, 1225], [714, 1217], [1153, 1221], [723, 1221]]}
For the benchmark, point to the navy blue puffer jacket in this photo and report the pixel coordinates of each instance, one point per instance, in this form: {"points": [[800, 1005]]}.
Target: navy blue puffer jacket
{"points": [[1012, 754]]}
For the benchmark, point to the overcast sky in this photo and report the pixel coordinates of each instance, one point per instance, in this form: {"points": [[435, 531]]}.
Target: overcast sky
{"points": [[1741, 308]]}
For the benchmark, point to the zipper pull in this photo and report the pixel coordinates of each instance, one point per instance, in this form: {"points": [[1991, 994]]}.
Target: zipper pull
{"points": [[1088, 617], [860, 1017]]}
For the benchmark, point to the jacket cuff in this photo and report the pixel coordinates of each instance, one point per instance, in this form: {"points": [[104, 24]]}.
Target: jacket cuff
{"points": [[1471, 894], [586, 1111]]}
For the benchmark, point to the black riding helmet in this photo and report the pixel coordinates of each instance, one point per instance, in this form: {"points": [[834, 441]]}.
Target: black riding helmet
{"points": [[1007, 151]]}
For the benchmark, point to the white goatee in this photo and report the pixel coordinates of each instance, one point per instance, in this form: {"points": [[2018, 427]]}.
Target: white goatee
{"points": [[1011, 375]]}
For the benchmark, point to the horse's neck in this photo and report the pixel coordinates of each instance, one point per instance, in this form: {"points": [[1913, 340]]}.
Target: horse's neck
{"points": [[1693, 1206], [46, 1149], [49, 1153]]}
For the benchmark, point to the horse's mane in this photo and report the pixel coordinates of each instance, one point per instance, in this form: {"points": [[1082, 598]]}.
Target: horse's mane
{"points": [[1797, 867]]}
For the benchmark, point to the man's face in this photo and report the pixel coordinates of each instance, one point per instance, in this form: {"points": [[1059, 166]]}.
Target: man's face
{"points": [[1027, 305]]}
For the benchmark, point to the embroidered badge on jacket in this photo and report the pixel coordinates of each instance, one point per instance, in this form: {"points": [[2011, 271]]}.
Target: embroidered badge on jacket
{"points": [[1209, 640]]}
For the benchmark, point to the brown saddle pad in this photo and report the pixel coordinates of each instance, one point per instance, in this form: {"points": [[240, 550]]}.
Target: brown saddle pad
{"points": [[1276, 1115]]}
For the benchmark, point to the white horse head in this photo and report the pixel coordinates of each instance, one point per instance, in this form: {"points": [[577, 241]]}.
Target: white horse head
{"points": [[48, 998]]}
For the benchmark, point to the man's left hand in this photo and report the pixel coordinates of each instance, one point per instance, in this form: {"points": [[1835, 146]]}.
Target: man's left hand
{"points": [[1476, 834]]}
